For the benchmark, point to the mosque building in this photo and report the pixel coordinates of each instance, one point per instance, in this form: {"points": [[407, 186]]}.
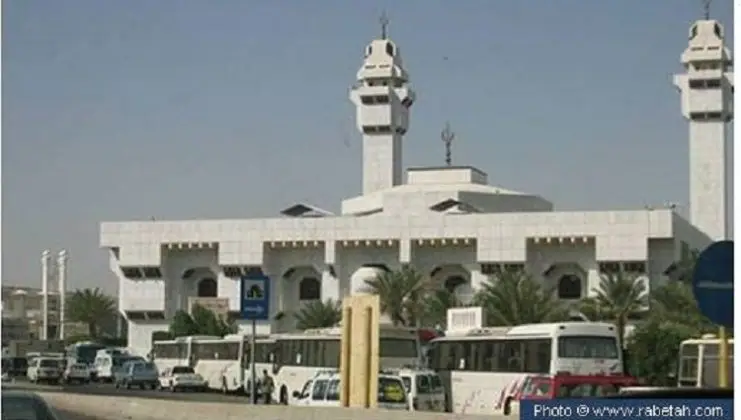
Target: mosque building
{"points": [[447, 222]]}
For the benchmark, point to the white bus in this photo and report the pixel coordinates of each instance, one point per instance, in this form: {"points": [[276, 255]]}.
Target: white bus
{"points": [[83, 352], [225, 363], [482, 368], [699, 362], [300, 356], [177, 352], [222, 362]]}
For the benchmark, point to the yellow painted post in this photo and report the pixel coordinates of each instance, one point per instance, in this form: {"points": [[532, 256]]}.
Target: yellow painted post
{"points": [[723, 356], [345, 350], [359, 359]]}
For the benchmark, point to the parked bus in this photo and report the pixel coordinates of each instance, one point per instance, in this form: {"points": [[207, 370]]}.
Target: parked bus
{"points": [[83, 352], [300, 356], [481, 366], [178, 352], [699, 362], [225, 363]]}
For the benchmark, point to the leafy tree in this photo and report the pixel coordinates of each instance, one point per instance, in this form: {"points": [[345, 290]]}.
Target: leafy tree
{"points": [[91, 307], [200, 321], [318, 314], [182, 324], [618, 298], [515, 298], [675, 302], [686, 266], [653, 350], [402, 294]]}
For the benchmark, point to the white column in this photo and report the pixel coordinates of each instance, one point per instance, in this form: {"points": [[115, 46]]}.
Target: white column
{"points": [[62, 279], [45, 260]]}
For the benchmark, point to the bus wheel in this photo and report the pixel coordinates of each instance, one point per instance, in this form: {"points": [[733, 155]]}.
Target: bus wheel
{"points": [[507, 409], [283, 395]]}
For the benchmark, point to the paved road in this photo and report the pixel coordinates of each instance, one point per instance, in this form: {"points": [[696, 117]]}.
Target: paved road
{"points": [[68, 415], [109, 390]]}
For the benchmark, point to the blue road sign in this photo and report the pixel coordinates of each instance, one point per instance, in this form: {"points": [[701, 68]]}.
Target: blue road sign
{"points": [[712, 283], [254, 302]]}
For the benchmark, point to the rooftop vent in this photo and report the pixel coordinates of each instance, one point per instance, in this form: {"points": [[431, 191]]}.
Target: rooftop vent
{"points": [[305, 210], [453, 204]]}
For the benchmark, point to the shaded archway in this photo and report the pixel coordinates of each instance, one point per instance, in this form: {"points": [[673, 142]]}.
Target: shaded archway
{"points": [[207, 287], [359, 279], [453, 281], [450, 276], [570, 287], [309, 288]]}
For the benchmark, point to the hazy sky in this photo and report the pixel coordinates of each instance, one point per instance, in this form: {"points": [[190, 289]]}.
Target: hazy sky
{"points": [[134, 109]]}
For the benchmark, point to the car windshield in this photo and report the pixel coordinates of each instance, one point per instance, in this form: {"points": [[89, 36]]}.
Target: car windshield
{"points": [[144, 367], [48, 363], [391, 390], [79, 366], [120, 361], [22, 407], [585, 390], [181, 370]]}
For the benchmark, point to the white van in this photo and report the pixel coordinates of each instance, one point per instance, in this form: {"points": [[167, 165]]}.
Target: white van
{"points": [[107, 361], [323, 390], [424, 387]]}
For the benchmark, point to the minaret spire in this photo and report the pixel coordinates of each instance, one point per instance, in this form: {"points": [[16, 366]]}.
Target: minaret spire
{"points": [[384, 20], [706, 8], [447, 136]]}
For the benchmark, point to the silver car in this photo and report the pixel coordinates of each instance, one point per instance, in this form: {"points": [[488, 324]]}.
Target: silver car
{"points": [[137, 374]]}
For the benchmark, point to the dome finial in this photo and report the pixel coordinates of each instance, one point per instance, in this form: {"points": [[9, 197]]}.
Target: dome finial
{"points": [[384, 20], [706, 8]]}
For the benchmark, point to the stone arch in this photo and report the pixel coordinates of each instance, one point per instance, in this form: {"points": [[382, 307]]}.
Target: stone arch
{"points": [[303, 283], [358, 280], [570, 286], [207, 287], [450, 276], [568, 278]]}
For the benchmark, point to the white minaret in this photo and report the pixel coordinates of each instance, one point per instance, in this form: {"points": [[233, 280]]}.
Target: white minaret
{"points": [[382, 98], [707, 102], [62, 279], [45, 260]]}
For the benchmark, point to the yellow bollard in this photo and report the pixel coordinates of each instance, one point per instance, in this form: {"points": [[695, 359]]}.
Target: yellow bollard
{"points": [[723, 358], [359, 362]]}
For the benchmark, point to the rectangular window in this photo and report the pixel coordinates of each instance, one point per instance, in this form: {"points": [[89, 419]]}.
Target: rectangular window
{"points": [[587, 347], [398, 347]]}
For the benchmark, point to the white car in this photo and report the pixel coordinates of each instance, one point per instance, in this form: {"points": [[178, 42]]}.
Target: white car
{"points": [[181, 378], [324, 391], [77, 372], [45, 369]]}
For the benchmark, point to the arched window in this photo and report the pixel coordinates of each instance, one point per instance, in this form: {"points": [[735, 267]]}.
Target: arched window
{"points": [[569, 287], [452, 282], [310, 288], [207, 288]]}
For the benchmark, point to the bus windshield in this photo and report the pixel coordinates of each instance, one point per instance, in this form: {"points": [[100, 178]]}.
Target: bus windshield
{"points": [[84, 353], [587, 347]]}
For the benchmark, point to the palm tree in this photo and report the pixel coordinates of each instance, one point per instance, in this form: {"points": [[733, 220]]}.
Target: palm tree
{"points": [[619, 297], [402, 294], [91, 307], [436, 305], [514, 298], [318, 314]]}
